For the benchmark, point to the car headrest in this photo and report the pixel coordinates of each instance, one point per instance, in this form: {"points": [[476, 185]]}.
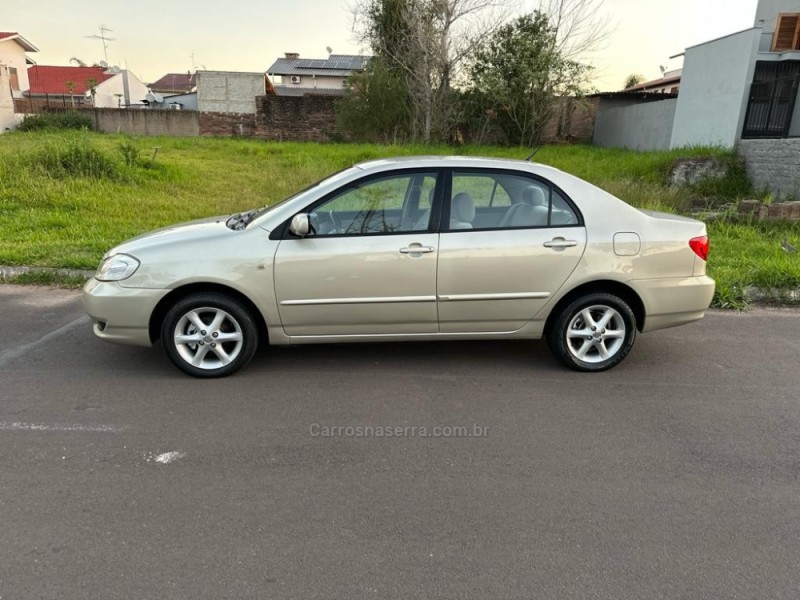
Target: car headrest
{"points": [[463, 208], [534, 196]]}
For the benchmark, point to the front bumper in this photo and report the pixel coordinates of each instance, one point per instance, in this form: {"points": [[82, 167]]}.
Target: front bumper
{"points": [[674, 301], [121, 315]]}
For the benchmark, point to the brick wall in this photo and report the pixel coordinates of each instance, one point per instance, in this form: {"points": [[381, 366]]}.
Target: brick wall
{"points": [[228, 124], [572, 120], [773, 165], [297, 119], [313, 119], [279, 118]]}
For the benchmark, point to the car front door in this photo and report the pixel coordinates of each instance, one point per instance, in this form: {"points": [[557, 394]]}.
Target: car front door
{"points": [[509, 241], [369, 265]]}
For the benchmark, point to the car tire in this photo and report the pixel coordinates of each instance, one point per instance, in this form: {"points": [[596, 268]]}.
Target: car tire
{"points": [[209, 335], [593, 333]]}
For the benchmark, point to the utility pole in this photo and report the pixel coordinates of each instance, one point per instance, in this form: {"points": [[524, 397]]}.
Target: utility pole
{"points": [[102, 37]]}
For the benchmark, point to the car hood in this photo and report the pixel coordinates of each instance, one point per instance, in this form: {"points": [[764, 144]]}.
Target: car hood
{"points": [[192, 231]]}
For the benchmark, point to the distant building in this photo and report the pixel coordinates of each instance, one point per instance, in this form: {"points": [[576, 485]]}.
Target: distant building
{"points": [[175, 83], [13, 58], [229, 92], [668, 83], [72, 86], [13, 75], [295, 76]]}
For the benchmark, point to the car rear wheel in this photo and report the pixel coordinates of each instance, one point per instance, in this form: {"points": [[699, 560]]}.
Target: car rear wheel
{"points": [[209, 335], [593, 333]]}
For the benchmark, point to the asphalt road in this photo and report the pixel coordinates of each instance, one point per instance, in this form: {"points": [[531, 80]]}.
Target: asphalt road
{"points": [[677, 475]]}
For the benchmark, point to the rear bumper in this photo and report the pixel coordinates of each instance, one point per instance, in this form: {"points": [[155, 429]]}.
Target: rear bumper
{"points": [[674, 301], [121, 315]]}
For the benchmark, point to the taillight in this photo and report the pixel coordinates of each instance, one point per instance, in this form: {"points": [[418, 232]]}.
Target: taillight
{"points": [[700, 246]]}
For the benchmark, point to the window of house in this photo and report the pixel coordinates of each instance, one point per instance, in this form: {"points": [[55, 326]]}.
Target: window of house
{"points": [[12, 72], [787, 33]]}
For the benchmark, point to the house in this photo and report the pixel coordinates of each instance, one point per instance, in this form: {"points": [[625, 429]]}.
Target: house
{"points": [[738, 91], [13, 74], [744, 85], [13, 57], [668, 83], [229, 92], [78, 86], [173, 84], [740, 86], [295, 76]]}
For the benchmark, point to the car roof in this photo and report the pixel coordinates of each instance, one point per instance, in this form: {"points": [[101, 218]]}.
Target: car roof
{"points": [[384, 164]]}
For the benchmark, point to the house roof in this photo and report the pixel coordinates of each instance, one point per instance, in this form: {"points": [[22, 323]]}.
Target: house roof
{"points": [[337, 65], [180, 83], [53, 80], [13, 35], [655, 83]]}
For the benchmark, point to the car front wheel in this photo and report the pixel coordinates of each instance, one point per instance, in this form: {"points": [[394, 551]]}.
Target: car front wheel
{"points": [[593, 333], [209, 335]]}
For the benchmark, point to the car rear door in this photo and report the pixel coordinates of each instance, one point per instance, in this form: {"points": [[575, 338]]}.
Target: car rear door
{"points": [[509, 241]]}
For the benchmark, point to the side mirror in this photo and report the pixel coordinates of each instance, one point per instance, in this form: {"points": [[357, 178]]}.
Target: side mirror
{"points": [[300, 225]]}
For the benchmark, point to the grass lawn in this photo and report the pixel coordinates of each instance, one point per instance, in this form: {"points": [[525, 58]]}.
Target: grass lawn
{"points": [[67, 197]]}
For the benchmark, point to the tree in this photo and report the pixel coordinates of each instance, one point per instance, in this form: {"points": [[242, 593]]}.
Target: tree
{"points": [[424, 44], [520, 72], [580, 26], [374, 107], [70, 85], [632, 80]]}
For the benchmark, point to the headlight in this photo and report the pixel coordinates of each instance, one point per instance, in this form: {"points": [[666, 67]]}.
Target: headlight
{"points": [[117, 268]]}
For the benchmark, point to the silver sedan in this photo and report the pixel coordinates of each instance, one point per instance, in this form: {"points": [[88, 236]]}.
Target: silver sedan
{"points": [[422, 249]]}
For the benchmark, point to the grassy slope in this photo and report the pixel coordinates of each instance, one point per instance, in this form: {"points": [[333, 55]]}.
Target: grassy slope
{"points": [[72, 221]]}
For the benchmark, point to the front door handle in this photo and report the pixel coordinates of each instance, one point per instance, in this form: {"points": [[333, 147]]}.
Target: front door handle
{"points": [[417, 249], [560, 243]]}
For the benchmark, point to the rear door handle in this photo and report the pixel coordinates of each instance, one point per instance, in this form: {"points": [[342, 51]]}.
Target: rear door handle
{"points": [[413, 249], [560, 243]]}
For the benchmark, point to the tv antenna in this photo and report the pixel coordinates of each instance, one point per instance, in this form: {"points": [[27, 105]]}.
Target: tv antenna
{"points": [[102, 37]]}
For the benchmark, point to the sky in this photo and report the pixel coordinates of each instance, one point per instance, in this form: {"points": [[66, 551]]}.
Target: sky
{"points": [[154, 37]]}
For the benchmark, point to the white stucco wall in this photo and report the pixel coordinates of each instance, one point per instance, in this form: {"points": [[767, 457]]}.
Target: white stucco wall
{"points": [[309, 82], [229, 92], [13, 55], [714, 91], [768, 11], [105, 97], [7, 119]]}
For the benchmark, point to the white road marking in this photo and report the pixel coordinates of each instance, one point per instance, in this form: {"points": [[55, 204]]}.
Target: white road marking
{"points": [[17, 426], [14, 353], [168, 457]]}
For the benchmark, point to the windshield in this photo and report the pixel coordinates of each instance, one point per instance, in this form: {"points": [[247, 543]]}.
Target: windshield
{"points": [[241, 220]]}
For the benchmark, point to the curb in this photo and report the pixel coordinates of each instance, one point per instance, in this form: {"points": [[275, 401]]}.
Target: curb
{"points": [[7, 272], [757, 295]]}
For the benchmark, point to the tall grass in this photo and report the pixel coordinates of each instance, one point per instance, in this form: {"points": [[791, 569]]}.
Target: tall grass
{"points": [[67, 197]]}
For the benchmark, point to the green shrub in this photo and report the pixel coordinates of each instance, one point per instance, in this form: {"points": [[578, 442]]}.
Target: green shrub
{"points": [[55, 120], [74, 158], [130, 152], [733, 186]]}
